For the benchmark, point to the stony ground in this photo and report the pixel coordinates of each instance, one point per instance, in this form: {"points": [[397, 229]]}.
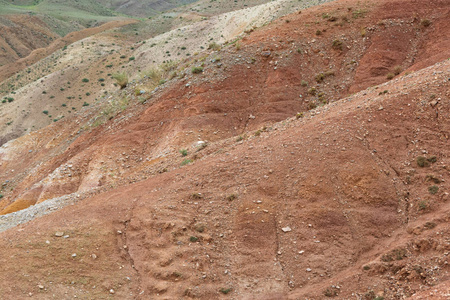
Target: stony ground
{"points": [[281, 193]]}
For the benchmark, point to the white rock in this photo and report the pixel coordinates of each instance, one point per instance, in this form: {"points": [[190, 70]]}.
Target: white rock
{"points": [[286, 229]]}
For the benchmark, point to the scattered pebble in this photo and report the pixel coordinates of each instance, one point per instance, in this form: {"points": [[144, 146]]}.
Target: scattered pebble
{"points": [[286, 229]]}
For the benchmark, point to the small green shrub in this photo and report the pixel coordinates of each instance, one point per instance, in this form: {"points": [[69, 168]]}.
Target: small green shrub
{"points": [[193, 239], [85, 104], [312, 91], [131, 58], [425, 162], [214, 46], [432, 179], [433, 189], [197, 70], [45, 112], [337, 45], [320, 77], [184, 152], [312, 105], [121, 79], [84, 80], [423, 205], [225, 291], [186, 162], [432, 159]]}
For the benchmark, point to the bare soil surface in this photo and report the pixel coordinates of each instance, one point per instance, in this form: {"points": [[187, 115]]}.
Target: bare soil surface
{"points": [[307, 173]]}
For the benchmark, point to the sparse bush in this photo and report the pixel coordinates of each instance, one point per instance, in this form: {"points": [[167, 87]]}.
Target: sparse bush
{"points": [[304, 83], [10, 99], [121, 79], [319, 32], [360, 13], [433, 189], [320, 77], [193, 239], [337, 45], [186, 162], [214, 46], [225, 291], [389, 76], [131, 58], [332, 19], [196, 196], [312, 91], [396, 254], [197, 70], [331, 291], [312, 105], [425, 22], [432, 159], [433, 179], [363, 32], [397, 70], [231, 197], [84, 80], [200, 227], [184, 152], [425, 162], [299, 115], [423, 205], [85, 104]]}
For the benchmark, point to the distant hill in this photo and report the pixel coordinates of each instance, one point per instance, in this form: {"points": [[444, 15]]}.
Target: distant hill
{"points": [[87, 9]]}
